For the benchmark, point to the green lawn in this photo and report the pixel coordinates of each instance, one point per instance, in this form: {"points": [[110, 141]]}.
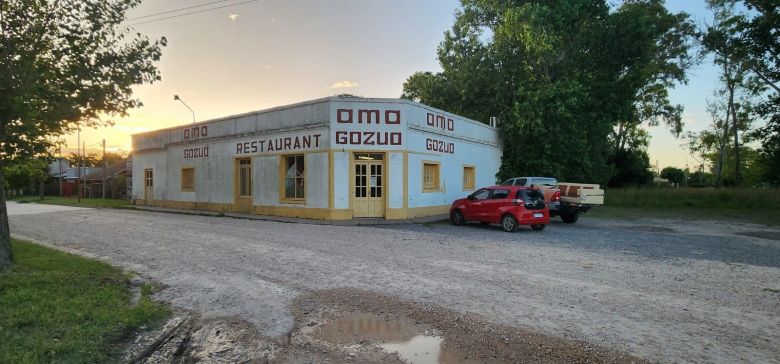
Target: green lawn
{"points": [[57, 307], [757, 205], [73, 201]]}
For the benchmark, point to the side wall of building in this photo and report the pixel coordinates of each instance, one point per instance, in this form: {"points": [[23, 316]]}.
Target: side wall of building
{"points": [[327, 133], [452, 143], [264, 138]]}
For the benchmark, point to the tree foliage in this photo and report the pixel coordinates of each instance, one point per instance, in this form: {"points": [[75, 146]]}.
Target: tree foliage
{"points": [[24, 173], [746, 45], [94, 159], [570, 81], [64, 64], [673, 175], [632, 168]]}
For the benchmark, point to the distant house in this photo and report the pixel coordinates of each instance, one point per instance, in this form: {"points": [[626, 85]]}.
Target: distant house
{"points": [[660, 181], [63, 177], [115, 181]]}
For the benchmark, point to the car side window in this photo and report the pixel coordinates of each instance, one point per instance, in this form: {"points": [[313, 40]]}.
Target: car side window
{"points": [[508, 182], [499, 194], [520, 182], [481, 195]]}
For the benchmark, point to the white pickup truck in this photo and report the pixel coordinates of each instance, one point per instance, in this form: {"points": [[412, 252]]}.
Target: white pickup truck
{"points": [[564, 199]]}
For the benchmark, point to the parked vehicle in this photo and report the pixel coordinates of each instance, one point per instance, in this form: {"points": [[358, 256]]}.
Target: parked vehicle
{"points": [[565, 199], [509, 206]]}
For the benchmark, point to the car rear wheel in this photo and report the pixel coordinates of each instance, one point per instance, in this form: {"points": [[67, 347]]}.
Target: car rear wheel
{"points": [[539, 227], [457, 218], [509, 223], [570, 217]]}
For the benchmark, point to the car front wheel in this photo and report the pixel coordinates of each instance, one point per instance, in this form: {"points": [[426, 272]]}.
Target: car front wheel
{"points": [[457, 218], [509, 223]]}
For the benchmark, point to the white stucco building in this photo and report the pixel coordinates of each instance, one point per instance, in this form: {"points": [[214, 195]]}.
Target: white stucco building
{"points": [[331, 158]]}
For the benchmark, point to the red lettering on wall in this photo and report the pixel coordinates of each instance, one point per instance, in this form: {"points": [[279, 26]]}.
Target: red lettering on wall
{"points": [[369, 138], [391, 117], [440, 121], [200, 152], [299, 142], [368, 116], [344, 116], [439, 146], [196, 132]]}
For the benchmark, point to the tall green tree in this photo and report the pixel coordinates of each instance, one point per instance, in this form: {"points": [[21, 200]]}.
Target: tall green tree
{"points": [[750, 39], [570, 81], [64, 64]]}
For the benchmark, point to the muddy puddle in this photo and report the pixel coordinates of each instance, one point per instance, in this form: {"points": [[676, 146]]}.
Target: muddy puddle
{"points": [[413, 342], [372, 328]]}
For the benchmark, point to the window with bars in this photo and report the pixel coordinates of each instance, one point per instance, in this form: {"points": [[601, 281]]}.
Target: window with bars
{"points": [[188, 179], [469, 177], [430, 177], [294, 173]]}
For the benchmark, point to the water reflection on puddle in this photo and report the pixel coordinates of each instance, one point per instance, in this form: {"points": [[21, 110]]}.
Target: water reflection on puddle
{"points": [[414, 343]]}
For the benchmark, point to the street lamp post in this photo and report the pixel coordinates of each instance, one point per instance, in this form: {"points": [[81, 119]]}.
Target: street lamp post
{"points": [[177, 98]]}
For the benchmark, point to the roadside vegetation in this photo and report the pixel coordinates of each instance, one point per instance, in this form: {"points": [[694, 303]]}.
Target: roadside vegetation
{"points": [[57, 307], [73, 201], [757, 205]]}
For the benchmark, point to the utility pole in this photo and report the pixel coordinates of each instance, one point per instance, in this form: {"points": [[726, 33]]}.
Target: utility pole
{"points": [[78, 165], [84, 164], [59, 162], [105, 168]]}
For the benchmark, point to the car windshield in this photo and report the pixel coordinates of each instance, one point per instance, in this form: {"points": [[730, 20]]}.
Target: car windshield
{"points": [[546, 182], [534, 199], [508, 182]]}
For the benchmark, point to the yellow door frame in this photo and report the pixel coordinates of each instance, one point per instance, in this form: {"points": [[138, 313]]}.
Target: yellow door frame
{"points": [[385, 178]]}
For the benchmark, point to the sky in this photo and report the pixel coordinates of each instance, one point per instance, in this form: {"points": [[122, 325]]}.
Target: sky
{"points": [[270, 53]]}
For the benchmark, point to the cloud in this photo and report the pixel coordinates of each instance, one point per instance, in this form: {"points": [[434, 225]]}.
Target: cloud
{"points": [[273, 20], [234, 17], [268, 66], [345, 84]]}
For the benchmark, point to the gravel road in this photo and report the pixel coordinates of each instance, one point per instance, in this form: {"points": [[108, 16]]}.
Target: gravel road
{"points": [[661, 290]]}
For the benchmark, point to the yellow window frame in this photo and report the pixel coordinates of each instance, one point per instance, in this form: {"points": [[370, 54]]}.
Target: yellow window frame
{"points": [[469, 177], [431, 176], [283, 179], [188, 179]]}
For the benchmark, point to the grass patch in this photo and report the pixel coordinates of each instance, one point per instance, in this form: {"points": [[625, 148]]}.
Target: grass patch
{"points": [[73, 201], [695, 198], [57, 307], [757, 205]]}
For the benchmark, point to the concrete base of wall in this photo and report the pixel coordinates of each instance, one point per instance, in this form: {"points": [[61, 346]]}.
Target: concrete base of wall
{"points": [[297, 212]]}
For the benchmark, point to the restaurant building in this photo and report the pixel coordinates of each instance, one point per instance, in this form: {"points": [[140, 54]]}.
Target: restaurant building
{"points": [[333, 158]]}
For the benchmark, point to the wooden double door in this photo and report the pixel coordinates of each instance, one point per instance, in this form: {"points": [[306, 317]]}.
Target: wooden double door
{"points": [[369, 189]]}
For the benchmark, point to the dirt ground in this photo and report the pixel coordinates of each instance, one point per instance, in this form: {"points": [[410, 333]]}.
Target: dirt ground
{"points": [[321, 335], [601, 290]]}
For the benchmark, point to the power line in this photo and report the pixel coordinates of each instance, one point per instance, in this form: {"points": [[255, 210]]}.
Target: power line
{"points": [[191, 13], [176, 10]]}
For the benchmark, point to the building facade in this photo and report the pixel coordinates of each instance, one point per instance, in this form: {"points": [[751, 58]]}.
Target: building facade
{"points": [[333, 158]]}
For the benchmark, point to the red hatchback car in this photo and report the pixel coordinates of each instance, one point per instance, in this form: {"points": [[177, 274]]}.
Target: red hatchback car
{"points": [[509, 206]]}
